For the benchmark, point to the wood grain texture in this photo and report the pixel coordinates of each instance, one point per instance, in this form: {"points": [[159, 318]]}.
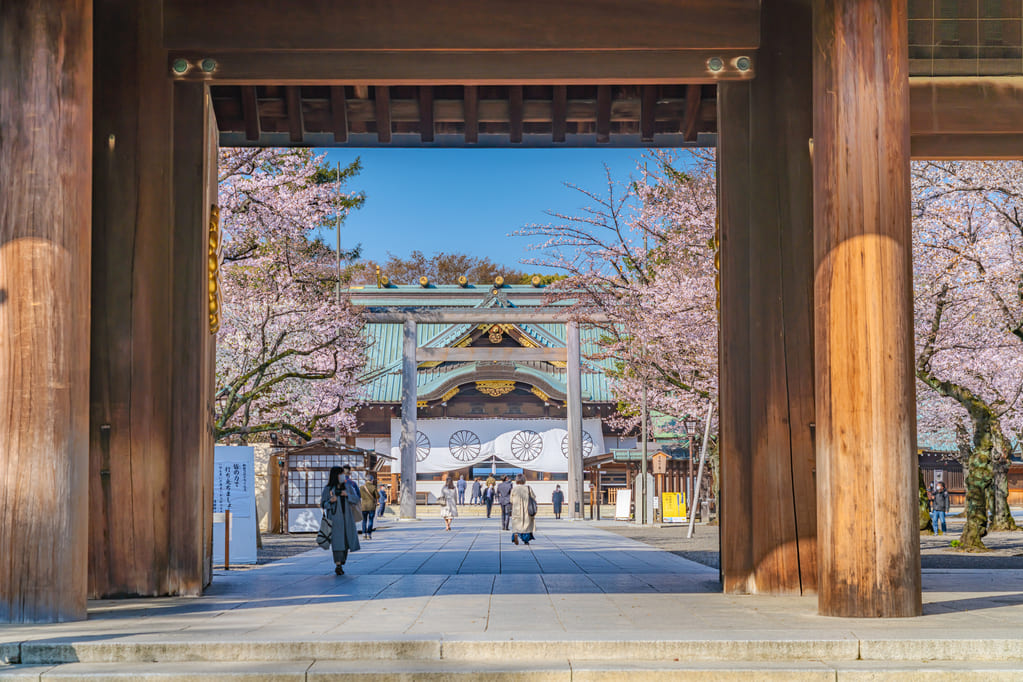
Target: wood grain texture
{"points": [[426, 114], [46, 55], [736, 485], [784, 532], [191, 467], [130, 374], [460, 24], [869, 550], [373, 67]]}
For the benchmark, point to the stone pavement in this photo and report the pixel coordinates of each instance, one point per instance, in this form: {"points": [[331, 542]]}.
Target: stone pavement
{"points": [[578, 593]]}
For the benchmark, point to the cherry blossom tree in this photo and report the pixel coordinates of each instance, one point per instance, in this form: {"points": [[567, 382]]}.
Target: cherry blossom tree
{"points": [[968, 282], [642, 254], [289, 349]]}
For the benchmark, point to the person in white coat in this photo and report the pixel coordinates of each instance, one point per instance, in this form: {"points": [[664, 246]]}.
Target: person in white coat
{"points": [[523, 524]]}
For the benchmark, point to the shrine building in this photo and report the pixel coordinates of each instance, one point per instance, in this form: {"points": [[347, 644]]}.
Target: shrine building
{"points": [[491, 397]]}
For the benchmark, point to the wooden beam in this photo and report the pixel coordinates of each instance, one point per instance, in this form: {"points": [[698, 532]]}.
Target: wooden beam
{"points": [[46, 77], [868, 537], [191, 470], [559, 109], [471, 107], [250, 110], [947, 106], [478, 315], [573, 67], [781, 380], [491, 355], [691, 122], [339, 113], [515, 106], [648, 113], [131, 353], [603, 114], [737, 509], [1003, 146], [382, 98], [405, 25], [295, 124], [426, 113]]}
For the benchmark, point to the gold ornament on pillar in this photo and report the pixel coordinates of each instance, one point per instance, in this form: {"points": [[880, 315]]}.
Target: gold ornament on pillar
{"points": [[214, 269]]}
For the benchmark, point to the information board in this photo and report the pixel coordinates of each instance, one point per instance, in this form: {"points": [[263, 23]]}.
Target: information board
{"points": [[623, 504], [673, 507], [234, 485]]}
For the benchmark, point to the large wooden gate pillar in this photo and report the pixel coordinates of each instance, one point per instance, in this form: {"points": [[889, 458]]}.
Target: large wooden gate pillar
{"points": [[45, 208], [768, 515], [866, 420], [573, 391]]}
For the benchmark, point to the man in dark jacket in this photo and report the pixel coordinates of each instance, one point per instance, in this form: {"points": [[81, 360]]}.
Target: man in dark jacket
{"points": [[477, 497], [504, 489], [939, 507]]}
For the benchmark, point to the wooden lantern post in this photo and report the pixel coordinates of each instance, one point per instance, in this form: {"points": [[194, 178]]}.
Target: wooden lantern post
{"points": [[45, 245], [869, 558]]}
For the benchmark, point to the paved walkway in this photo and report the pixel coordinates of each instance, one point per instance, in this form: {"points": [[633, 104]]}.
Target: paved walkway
{"points": [[575, 583]]}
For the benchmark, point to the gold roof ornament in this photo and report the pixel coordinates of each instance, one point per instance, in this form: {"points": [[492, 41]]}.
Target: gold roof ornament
{"points": [[540, 394], [495, 388], [463, 281], [449, 395], [495, 334]]}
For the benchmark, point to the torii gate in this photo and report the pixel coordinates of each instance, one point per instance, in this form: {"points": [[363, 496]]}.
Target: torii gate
{"points": [[107, 185], [412, 354]]}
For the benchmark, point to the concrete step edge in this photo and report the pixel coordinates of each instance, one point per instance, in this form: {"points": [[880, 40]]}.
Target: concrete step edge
{"points": [[574, 670], [52, 652]]}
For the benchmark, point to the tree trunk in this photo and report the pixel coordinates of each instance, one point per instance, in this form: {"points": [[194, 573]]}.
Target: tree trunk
{"points": [[1001, 515], [925, 507], [978, 480]]}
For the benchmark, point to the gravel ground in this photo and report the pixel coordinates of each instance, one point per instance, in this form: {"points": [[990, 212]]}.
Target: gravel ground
{"points": [[935, 550]]}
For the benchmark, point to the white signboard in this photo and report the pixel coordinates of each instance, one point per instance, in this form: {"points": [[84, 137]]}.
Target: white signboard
{"points": [[234, 484], [623, 504], [537, 444]]}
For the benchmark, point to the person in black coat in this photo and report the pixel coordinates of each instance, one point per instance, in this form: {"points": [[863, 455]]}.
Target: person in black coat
{"points": [[504, 489], [488, 498], [557, 499]]}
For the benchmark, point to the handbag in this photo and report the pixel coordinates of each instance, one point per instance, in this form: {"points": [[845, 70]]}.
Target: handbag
{"points": [[531, 505], [326, 531]]}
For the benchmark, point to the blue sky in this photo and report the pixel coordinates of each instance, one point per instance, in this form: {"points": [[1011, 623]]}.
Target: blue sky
{"points": [[468, 200]]}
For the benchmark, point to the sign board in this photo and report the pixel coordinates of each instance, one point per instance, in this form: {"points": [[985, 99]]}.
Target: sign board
{"points": [[234, 485], [623, 503], [660, 462], [674, 508]]}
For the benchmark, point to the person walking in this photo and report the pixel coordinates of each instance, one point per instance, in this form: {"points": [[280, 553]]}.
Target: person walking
{"points": [[491, 481], [461, 489], [448, 497], [523, 522], [341, 502], [557, 499], [477, 492], [939, 507], [368, 494], [383, 501], [488, 498], [504, 489]]}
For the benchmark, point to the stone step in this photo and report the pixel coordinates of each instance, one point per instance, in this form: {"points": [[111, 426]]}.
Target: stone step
{"points": [[568, 670], [143, 649]]}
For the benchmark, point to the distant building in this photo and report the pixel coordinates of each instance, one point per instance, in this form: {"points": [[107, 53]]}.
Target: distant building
{"points": [[504, 415]]}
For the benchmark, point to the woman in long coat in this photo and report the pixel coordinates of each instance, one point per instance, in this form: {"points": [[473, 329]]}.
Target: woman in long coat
{"points": [[522, 524], [342, 503], [449, 498]]}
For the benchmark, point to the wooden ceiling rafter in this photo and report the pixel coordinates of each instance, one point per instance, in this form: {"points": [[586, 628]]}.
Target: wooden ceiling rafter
{"points": [[534, 115]]}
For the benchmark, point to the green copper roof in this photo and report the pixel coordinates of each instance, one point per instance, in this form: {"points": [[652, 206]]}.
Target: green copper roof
{"points": [[384, 354]]}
